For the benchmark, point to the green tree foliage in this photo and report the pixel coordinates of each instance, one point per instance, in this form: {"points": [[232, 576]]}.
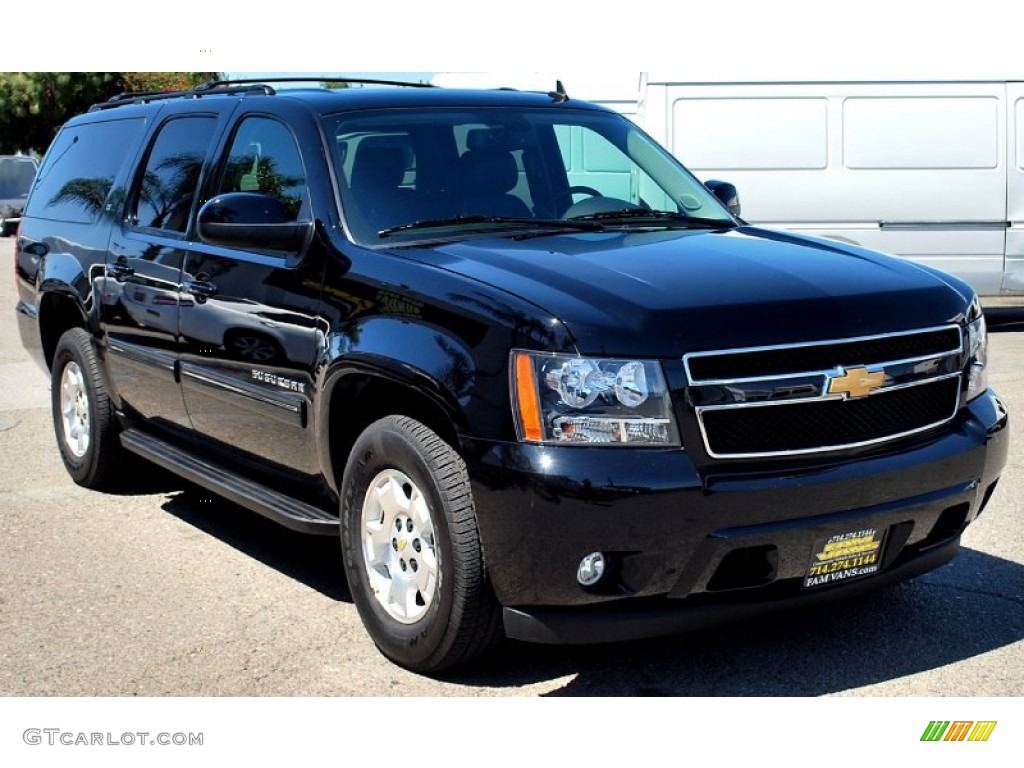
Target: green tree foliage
{"points": [[33, 105], [163, 81]]}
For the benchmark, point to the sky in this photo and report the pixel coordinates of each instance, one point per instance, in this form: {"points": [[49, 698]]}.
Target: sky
{"points": [[739, 39]]}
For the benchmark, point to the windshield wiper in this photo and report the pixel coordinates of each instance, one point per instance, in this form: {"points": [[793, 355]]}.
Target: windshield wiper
{"points": [[664, 218], [516, 221]]}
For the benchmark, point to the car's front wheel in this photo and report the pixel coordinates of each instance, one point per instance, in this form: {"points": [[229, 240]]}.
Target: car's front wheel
{"points": [[411, 548]]}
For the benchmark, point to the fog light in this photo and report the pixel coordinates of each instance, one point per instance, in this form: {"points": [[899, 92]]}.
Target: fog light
{"points": [[591, 569]]}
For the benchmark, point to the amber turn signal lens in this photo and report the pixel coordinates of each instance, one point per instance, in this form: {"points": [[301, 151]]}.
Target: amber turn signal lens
{"points": [[526, 397]]}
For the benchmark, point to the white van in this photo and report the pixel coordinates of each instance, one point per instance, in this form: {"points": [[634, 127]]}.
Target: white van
{"points": [[931, 171]]}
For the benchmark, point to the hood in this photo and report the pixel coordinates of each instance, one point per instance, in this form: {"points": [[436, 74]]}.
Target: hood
{"points": [[665, 293]]}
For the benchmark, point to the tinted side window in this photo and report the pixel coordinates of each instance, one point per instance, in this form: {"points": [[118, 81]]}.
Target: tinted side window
{"points": [[79, 170], [171, 174], [264, 158]]}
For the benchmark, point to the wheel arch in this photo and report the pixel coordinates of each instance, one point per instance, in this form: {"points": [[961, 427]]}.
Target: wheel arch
{"points": [[358, 393], [59, 311], [63, 296]]}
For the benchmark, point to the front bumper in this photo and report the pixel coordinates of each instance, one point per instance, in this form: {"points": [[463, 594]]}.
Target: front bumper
{"points": [[633, 620], [693, 546]]}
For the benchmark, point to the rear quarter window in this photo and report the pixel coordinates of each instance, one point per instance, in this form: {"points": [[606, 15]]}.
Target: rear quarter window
{"points": [[79, 170]]}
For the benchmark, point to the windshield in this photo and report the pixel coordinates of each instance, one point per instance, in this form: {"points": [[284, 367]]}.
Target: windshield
{"points": [[413, 175]]}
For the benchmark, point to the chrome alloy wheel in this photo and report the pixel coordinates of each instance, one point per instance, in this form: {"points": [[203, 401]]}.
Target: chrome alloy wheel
{"points": [[74, 409], [399, 551]]}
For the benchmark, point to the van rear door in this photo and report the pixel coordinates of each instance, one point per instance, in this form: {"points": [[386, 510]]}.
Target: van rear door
{"points": [[1013, 277]]}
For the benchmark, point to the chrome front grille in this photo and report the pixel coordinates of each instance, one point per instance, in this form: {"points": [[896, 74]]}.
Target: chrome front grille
{"points": [[825, 396]]}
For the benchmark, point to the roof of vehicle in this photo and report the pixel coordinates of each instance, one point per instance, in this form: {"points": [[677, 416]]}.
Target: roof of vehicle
{"points": [[324, 100]]}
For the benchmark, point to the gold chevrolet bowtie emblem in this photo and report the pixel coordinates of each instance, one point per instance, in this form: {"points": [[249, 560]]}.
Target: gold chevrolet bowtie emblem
{"points": [[856, 382]]}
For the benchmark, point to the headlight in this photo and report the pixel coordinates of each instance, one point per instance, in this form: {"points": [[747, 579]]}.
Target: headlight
{"points": [[591, 401], [977, 352]]}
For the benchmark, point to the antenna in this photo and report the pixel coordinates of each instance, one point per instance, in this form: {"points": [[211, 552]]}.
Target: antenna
{"points": [[559, 93]]}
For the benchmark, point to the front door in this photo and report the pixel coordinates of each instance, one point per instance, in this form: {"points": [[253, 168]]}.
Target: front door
{"points": [[249, 321]]}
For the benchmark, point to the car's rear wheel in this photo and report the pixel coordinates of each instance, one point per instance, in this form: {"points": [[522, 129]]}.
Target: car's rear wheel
{"points": [[83, 415], [412, 551]]}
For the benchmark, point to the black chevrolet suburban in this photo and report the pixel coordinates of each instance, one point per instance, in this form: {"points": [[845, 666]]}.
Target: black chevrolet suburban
{"points": [[540, 381]]}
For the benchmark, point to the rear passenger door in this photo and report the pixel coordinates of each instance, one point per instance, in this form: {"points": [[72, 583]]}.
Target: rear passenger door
{"points": [[145, 257], [251, 334]]}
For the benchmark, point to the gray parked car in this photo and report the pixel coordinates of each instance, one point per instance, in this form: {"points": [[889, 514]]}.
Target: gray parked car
{"points": [[17, 172]]}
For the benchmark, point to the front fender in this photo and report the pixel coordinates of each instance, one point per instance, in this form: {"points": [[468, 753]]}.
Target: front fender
{"points": [[431, 366], [415, 353]]}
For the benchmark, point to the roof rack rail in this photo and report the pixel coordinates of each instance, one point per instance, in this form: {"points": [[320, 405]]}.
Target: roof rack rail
{"points": [[255, 85], [143, 97]]}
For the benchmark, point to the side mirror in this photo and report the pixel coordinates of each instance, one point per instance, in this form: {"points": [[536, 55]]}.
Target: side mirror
{"points": [[726, 193], [252, 220]]}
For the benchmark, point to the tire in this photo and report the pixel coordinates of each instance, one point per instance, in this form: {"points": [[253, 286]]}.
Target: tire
{"points": [[422, 592], [83, 415]]}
